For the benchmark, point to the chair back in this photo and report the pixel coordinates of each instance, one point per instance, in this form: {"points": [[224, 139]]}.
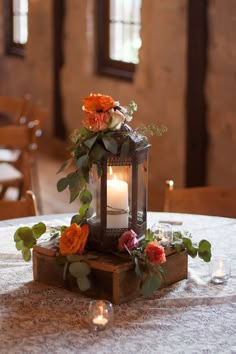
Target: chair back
{"points": [[14, 110], [11, 209], [216, 201], [23, 138]]}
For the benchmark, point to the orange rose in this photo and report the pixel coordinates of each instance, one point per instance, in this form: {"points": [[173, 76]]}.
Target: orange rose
{"points": [[155, 253], [73, 239], [98, 103]]}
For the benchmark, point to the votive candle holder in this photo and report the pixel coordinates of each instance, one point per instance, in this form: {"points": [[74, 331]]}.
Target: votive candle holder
{"points": [[220, 270], [100, 314]]}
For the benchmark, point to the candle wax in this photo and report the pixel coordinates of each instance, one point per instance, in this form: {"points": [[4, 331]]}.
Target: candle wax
{"points": [[117, 198], [100, 320], [219, 274]]}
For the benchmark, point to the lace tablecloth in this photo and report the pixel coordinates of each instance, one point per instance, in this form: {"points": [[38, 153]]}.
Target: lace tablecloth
{"points": [[193, 316]]}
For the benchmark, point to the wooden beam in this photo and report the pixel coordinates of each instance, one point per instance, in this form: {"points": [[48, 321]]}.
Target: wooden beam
{"points": [[58, 62], [196, 130]]}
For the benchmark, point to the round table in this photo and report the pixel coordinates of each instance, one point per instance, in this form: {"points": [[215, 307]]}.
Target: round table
{"points": [[192, 316]]}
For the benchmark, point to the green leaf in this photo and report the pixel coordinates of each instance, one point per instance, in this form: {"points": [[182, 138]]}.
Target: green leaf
{"points": [[79, 269], [39, 229], [76, 219], [82, 161], [85, 132], [192, 251], [83, 210], [26, 254], [65, 165], [150, 285], [20, 231], [204, 250], [75, 185], [97, 152], [26, 235], [85, 196], [110, 144], [83, 283], [19, 245], [137, 268], [90, 142], [177, 247], [62, 184]]}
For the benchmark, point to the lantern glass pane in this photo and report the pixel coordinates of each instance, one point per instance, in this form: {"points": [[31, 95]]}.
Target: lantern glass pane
{"points": [[118, 196], [142, 193], [95, 189]]}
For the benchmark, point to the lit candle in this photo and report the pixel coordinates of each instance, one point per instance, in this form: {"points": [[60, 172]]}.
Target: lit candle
{"points": [[100, 321], [221, 272], [164, 241], [117, 203]]}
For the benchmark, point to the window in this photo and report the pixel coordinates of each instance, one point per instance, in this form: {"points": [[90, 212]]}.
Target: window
{"points": [[16, 26], [119, 39]]}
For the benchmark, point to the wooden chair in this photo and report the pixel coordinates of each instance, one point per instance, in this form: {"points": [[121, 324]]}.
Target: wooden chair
{"points": [[14, 110], [218, 201], [10, 209], [18, 174]]}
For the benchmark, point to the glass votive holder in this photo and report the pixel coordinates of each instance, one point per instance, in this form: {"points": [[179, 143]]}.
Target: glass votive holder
{"points": [[163, 233], [100, 314], [220, 270]]}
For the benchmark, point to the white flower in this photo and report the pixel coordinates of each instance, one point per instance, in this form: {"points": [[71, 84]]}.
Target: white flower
{"points": [[117, 118]]}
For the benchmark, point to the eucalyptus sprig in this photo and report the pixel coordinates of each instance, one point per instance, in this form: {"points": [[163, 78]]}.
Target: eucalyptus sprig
{"points": [[26, 237], [184, 239]]}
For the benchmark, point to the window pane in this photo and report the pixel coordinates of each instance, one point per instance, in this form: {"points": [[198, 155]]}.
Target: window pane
{"points": [[20, 31], [125, 27], [20, 6]]}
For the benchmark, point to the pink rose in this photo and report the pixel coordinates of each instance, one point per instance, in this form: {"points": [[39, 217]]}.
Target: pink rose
{"points": [[128, 239], [155, 253]]}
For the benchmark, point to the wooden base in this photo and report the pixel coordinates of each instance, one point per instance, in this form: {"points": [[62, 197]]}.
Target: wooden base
{"points": [[112, 277]]}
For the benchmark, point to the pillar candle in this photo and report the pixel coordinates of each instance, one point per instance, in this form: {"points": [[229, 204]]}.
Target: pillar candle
{"points": [[117, 198]]}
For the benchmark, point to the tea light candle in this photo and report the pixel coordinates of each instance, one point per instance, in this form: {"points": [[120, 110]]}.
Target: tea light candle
{"points": [[100, 314], [163, 233], [220, 271], [100, 320], [164, 241]]}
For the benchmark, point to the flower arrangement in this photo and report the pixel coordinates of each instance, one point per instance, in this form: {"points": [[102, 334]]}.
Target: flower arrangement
{"points": [[103, 118]]}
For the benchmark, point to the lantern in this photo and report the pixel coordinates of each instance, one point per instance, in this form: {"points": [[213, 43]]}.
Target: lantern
{"points": [[119, 195]]}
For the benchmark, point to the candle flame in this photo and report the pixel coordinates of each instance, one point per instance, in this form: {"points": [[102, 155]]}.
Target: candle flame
{"points": [[101, 310], [221, 264], [110, 171]]}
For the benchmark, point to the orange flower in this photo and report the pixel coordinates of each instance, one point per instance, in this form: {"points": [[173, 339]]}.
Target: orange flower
{"points": [[96, 121], [73, 239], [155, 253], [97, 103]]}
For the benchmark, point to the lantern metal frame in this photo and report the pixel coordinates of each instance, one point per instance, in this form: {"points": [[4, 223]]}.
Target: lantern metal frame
{"points": [[106, 239]]}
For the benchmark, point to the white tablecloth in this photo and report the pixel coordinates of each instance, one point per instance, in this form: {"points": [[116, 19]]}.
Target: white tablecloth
{"points": [[193, 316]]}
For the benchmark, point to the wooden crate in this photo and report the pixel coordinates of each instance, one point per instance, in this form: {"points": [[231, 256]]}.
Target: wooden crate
{"points": [[112, 277]]}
